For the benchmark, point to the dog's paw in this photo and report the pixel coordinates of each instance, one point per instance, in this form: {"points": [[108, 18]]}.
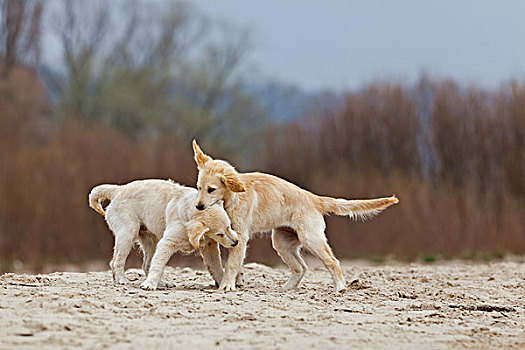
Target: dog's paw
{"points": [[289, 286], [122, 281], [148, 285], [165, 285], [340, 288], [239, 280], [227, 286]]}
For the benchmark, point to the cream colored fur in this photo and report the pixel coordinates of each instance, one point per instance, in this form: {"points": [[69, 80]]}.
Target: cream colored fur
{"points": [[161, 216], [257, 202]]}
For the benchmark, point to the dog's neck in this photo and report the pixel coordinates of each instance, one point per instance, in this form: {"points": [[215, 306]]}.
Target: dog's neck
{"points": [[231, 200]]}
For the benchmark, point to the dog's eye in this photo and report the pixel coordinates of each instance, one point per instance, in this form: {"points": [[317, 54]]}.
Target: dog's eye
{"points": [[220, 234], [211, 189]]}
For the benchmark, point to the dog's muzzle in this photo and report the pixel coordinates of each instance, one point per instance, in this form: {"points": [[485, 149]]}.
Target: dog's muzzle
{"points": [[234, 244]]}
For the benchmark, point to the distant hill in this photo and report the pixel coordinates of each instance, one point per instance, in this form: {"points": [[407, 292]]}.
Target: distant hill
{"points": [[282, 102], [286, 102]]}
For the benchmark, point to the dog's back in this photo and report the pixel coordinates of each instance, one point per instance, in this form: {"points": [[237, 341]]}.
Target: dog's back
{"points": [[145, 201]]}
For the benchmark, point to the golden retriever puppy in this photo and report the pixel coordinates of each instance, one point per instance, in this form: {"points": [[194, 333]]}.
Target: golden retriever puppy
{"points": [[161, 216], [257, 202]]}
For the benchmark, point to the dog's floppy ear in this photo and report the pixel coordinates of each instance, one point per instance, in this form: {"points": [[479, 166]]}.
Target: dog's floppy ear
{"points": [[200, 157], [233, 182], [196, 230]]}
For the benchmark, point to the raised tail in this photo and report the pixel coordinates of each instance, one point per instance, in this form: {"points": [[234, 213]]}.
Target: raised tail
{"points": [[98, 194], [357, 208]]}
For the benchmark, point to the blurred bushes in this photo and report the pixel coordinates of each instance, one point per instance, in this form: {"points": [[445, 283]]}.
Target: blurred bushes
{"points": [[454, 156]]}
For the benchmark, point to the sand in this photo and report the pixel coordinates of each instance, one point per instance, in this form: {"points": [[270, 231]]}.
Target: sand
{"points": [[396, 306]]}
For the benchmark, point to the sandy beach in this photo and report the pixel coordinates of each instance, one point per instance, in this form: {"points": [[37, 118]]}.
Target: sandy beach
{"points": [[396, 306]]}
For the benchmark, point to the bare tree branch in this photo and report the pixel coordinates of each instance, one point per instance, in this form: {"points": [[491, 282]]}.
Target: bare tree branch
{"points": [[20, 33]]}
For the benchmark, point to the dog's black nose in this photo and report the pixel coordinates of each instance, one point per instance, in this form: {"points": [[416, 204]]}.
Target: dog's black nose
{"points": [[200, 206], [235, 243]]}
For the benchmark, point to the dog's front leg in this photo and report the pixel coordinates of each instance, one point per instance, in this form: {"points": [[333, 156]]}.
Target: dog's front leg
{"points": [[239, 280], [211, 255], [165, 249], [171, 240], [234, 264]]}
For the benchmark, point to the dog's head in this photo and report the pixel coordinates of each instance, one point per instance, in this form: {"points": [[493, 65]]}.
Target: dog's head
{"points": [[217, 179], [212, 223]]}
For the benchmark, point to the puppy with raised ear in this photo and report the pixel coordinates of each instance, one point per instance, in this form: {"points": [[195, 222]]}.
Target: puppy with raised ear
{"points": [[257, 202], [161, 216]]}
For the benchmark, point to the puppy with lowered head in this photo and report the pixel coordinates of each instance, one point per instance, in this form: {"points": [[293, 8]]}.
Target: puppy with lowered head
{"points": [[161, 216], [258, 202]]}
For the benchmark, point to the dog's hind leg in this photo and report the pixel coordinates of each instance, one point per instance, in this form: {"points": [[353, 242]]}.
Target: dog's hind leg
{"points": [[288, 247], [148, 244], [311, 234], [124, 238]]}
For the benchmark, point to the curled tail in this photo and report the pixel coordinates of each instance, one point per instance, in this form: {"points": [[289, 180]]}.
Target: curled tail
{"points": [[357, 208], [98, 194]]}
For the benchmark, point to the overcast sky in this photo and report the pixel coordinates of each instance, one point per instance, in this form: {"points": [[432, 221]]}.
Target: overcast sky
{"points": [[344, 44]]}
